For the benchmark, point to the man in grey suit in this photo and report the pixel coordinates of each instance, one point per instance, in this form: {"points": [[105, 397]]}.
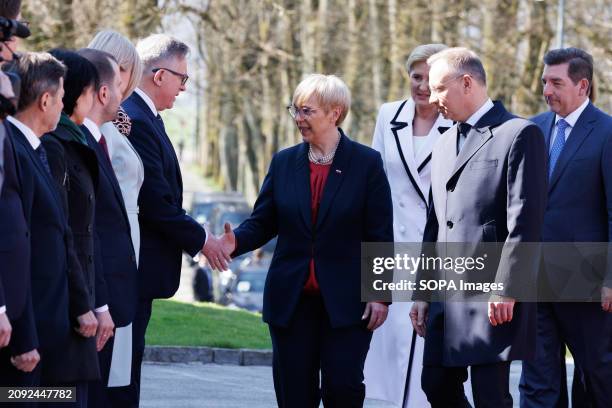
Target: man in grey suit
{"points": [[488, 184], [579, 139]]}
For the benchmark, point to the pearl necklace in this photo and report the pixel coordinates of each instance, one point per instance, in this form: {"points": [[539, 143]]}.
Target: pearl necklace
{"points": [[325, 159]]}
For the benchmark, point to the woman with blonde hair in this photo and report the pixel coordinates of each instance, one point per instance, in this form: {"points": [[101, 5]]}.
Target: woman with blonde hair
{"points": [[322, 198], [129, 170]]}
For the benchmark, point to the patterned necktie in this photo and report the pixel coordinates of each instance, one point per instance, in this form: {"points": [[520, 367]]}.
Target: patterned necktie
{"points": [[557, 146], [42, 153], [102, 142]]}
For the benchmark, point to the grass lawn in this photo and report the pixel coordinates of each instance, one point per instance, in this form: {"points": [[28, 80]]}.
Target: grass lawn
{"points": [[205, 324]]}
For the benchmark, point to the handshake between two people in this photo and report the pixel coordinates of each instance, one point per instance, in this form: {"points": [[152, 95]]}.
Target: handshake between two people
{"points": [[218, 250]]}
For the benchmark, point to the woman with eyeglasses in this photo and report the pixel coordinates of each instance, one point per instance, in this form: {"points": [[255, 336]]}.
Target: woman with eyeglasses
{"points": [[322, 198], [405, 133]]}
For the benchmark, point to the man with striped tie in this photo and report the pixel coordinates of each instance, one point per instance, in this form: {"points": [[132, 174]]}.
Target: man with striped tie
{"points": [[579, 139]]}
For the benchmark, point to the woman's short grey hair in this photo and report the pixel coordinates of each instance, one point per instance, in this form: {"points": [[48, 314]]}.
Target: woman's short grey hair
{"points": [[160, 47], [462, 61], [329, 91], [422, 53], [39, 72], [124, 52]]}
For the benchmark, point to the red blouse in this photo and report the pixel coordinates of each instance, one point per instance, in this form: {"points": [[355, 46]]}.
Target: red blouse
{"points": [[318, 177]]}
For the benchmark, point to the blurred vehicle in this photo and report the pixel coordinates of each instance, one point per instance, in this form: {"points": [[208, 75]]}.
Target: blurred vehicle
{"points": [[203, 204], [233, 214], [246, 289], [211, 285]]}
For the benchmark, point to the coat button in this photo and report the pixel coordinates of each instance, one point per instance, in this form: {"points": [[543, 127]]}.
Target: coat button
{"points": [[89, 228], [90, 197], [449, 224], [401, 204], [402, 228]]}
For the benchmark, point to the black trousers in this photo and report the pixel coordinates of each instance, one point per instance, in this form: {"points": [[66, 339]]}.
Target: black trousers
{"points": [[314, 361], [10, 376], [128, 396], [587, 331], [490, 386]]}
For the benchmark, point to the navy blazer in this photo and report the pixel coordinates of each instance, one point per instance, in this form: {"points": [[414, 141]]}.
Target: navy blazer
{"points": [[114, 252], [15, 256], [580, 190], [355, 207], [165, 228], [49, 240]]}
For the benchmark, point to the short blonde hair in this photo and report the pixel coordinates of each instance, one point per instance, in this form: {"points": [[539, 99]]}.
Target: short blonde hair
{"points": [[422, 52], [329, 91], [123, 51]]}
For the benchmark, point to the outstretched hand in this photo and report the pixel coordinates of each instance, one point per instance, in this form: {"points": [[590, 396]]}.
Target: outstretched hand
{"points": [[217, 250]]}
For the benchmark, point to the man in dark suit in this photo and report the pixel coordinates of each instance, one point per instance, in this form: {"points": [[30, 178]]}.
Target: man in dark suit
{"points": [[487, 185], [579, 139], [116, 289], [166, 230], [17, 327], [40, 104]]}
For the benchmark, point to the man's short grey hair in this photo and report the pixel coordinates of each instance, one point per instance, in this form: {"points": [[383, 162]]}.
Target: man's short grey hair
{"points": [[39, 72], [462, 61], [160, 47]]}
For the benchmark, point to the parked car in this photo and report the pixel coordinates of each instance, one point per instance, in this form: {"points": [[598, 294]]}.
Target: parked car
{"points": [[246, 289], [234, 214], [203, 204]]}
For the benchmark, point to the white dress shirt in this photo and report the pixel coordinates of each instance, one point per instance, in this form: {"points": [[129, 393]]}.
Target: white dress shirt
{"points": [[27, 132], [147, 100], [93, 129], [473, 120], [571, 120]]}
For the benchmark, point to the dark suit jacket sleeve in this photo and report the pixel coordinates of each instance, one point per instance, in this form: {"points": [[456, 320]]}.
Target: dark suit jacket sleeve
{"points": [[158, 207], [606, 170], [77, 288], [101, 288], [262, 225], [24, 337], [379, 208], [526, 203]]}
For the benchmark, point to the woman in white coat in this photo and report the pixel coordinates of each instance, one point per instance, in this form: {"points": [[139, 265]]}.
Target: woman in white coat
{"points": [[129, 171], [405, 133]]}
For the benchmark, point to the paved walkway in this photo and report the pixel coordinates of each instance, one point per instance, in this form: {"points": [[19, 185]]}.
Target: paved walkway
{"points": [[223, 386]]}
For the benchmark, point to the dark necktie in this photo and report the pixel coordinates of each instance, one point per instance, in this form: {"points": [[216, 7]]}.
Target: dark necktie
{"points": [[463, 129], [42, 153], [102, 142]]}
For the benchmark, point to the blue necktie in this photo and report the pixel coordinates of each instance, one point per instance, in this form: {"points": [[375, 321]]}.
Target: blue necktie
{"points": [[557, 146], [42, 153]]}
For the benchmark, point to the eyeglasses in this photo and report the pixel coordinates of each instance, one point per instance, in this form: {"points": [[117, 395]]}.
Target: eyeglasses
{"points": [[294, 111], [184, 77], [440, 89]]}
